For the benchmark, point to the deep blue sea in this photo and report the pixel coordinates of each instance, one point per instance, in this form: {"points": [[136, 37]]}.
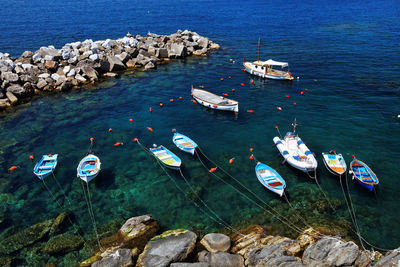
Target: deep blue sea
{"points": [[346, 54]]}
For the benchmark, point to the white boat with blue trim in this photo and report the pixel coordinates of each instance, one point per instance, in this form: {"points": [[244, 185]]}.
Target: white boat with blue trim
{"points": [[213, 101], [166, 157], [184, 143], [88, 168], [295, 152], [45, 166], [270, 178]]}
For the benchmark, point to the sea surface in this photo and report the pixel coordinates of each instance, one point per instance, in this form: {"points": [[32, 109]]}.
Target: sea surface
{"points": [[346, 54]]}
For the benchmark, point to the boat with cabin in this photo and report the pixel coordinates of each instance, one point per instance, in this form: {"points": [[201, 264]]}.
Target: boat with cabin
{"points": [[213, 101]]}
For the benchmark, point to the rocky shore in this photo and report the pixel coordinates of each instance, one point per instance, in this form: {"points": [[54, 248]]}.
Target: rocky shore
{"points": [[76, 64], [140, 243]]}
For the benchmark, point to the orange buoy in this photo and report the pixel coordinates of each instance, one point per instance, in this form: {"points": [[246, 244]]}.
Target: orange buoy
{"points": [[242, 84], [31, 157], [13, 168], [334, 151], [222, 79], [226, 95], [110, 130], [180, 98], [49, 155], [279, 108], [294, 104], [194, 101], [251, 157], [202, 86], [173, 130], [150, 109], [171, 100], [231, 160], [131, 120], [251, 149], [212, 169], [244, 70], [161, 104], [150, 129], [229, 77], [233, 90], [276, 126], [353, 156], [250, 111], [301, 92], [306, 89], [287, 96], [91, 139], [135, 139], [118, 144], [252, 81]]}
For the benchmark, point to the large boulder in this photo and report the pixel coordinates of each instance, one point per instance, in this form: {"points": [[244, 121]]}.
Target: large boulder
{"points": [[332, 252], [189, 264], [17, 90], [9, 76], [177, 51], [215, 242], [248, 239], [221, 259], [163, 53], [392, 258], [13, 99], [203, 42], [90, 72], [51, 65], [170, 246], [4, 103], [62, 244], [25, 237], [120, 258], [61, 222], [50, 51], [115, 63]]}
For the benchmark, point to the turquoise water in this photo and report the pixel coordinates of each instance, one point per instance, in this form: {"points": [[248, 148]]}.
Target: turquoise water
{"points": [[346, 56]]}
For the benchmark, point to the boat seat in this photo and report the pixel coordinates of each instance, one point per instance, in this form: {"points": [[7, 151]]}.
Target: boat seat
{"points": [[43, 168], [169, 161], [158, 151], [275, 184], [186, 144], [164, 157]]}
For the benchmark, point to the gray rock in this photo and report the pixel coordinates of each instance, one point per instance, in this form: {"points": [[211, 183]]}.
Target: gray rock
{"points": [[90, 72], [73, 60], [10, 77], [49, 51], [221, 259], [55, 76], [177, 51], [4, 103], [94, 57], [71, 73], [80, 78], [27, 54], [121, 257], [215, 242], [27, 67], [13, 99], [332, 252], [48, 57], [171, 246], [41, 84], [107, 44], [115, 63], [66, 69], [36, 58], [163, 53], [392, 258], [187, 264], [17, 90], [149, 65], [44, 75], [124, 57]]}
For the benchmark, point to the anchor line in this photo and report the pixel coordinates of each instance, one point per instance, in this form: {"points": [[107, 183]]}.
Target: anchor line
{"points": [[69, 202], [91, 214], [277, 214], [322, 191]]}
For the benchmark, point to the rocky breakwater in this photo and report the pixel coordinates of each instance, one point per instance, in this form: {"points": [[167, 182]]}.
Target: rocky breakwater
{"points": [[75, 64], [136, 244]]}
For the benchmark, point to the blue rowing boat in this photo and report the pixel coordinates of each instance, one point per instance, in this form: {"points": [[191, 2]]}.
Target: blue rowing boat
{"points": [[184, 143], [270, 178], [166, 157], [363, 174], [88, 168], [45, 166]]}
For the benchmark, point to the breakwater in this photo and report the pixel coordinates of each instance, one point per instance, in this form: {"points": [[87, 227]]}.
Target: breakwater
{"points": [[76, 64]]}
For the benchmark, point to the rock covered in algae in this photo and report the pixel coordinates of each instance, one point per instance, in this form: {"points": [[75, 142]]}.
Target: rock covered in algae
{"points": [[121, 257], [25, 237], [60, 223], [6, 262], [390, 259], [170, 246], [62, 244], [215, 242]]}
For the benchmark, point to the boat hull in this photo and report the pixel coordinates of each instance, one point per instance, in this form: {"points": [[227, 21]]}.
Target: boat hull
{"points": [[296, 154], [270, 178], [334, 163], [363, 174], [184, 143], [88, 168]]}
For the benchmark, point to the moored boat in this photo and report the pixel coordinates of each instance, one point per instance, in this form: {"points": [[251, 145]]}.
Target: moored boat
{"points": [[335, 163], [45, 166], [270, 178], [166, 157], [184, 143], [88, 168], [213, 101], [363, 174], [295, 152], [270, 69]]}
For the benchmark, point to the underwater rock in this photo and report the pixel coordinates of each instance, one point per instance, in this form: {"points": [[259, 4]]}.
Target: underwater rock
{"points": [[6, 262], [221, 259], [391, 258], [331, 252], [60, 222], [170, 246], [62, 244], [274, 255], [25, 237], [215, 242], [121, 257]]}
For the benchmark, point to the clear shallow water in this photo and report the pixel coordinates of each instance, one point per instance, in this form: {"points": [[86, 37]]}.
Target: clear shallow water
{"points": [[346, 56]]}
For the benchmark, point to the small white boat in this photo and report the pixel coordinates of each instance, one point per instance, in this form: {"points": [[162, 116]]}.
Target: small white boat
{"points": [[270, 69], [88, 168], [295, 152], [184, 143], [166, 157], [335, 163], [270, 178], [213, 101], [45, 166]]}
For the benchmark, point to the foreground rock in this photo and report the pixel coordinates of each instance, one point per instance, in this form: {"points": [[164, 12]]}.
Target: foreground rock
{"points": [[170, 246], [221, 259], [215, 242], [76, 64], [63, 244]]}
